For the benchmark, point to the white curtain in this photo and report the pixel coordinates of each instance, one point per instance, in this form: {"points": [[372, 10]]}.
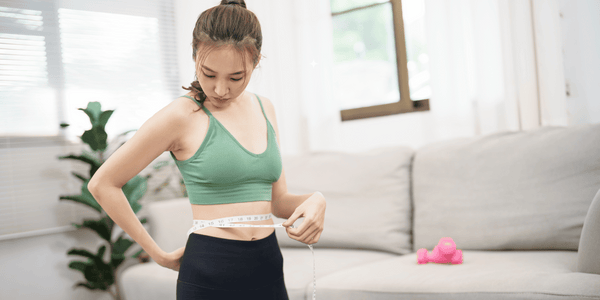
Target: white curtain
{"points": [[490, 63], [315, 64]]}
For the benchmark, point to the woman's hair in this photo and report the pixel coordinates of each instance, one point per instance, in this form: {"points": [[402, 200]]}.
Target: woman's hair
{"points": [[227, 24]]}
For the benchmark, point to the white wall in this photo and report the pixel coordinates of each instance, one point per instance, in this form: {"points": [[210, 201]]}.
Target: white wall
{"points": [[37, 267]]}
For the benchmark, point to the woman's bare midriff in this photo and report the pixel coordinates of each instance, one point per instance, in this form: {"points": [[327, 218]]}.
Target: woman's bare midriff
{"points": [[217, 211]]}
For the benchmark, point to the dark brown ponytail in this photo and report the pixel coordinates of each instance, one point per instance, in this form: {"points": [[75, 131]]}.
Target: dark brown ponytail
{"points": [[229, 23]]}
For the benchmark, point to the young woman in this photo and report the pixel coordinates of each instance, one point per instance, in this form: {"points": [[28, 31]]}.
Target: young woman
{"points": [[216, 135]]}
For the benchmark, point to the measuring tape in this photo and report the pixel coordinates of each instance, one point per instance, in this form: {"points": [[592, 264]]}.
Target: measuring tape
{"points": [[226, 222]]}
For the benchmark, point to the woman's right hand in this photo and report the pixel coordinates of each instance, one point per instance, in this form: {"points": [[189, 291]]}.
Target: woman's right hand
{"points": [[172, 260]]}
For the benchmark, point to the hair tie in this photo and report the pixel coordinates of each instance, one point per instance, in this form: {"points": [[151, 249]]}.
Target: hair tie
{"points": [[233, 2]]}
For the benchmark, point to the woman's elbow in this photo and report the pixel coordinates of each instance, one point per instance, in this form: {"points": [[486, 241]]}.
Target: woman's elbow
{"points": [[92, 186], [95, 184]]}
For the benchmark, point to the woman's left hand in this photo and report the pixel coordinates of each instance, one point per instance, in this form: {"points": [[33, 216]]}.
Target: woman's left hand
{"points": [[313, 211]]}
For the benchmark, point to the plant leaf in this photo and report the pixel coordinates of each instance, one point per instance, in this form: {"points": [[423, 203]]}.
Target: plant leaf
{"points": [[101, 252], [81, 199], [119, 248], [101, 227], [85, 192], [84, 158], [78, 265], [121, 245], [99, 275], [96, 138], [137, 253], [85, 198], [81, 252], [116, 260], [79, 176], [104, 116], [93, 110]]}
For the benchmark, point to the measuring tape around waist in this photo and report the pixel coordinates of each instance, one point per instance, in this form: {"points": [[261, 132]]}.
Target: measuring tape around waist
{"points": [[226, 222]]}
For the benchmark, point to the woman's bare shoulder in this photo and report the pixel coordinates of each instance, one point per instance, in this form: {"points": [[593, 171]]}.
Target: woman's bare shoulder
{"points": [[182, 109], [186, 114], [175, 111], [183, 104]]}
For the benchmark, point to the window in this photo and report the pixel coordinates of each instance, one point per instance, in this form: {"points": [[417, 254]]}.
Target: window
{"points": [[55, 57], [380, 57]]}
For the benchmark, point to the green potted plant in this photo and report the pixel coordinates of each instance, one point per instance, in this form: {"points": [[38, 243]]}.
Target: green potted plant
{"points": [[100, 274]]}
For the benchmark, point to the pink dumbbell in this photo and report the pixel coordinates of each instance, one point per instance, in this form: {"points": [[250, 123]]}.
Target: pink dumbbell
{"points": [[445, 252]]}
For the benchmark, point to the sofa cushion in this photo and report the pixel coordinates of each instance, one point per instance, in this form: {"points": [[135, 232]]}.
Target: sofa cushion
{"points": [[367, 193], [298, 267], [482, 275], [512, 190]]}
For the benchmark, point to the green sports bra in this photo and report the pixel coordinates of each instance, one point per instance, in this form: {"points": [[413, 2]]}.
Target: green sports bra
{"points": [[223, 171]]}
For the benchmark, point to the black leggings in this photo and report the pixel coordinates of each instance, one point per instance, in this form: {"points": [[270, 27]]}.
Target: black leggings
{"points": [[218, 268]]}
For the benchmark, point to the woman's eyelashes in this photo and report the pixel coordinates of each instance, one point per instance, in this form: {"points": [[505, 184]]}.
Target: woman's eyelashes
{"points": [[234, 79]]}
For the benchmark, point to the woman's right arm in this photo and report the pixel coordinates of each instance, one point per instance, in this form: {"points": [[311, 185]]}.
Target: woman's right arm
{"points": [[158, 134]]}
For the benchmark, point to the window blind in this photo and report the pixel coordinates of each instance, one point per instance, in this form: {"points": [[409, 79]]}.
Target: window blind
{"points": [[55, 57]]}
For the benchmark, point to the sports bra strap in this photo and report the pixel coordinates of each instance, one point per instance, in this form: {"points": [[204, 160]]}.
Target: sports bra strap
{"points": [[203, 108], [191, 98], [261, 106]]}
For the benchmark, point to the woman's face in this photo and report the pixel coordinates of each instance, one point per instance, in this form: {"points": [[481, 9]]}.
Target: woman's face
{"points": [[222, 78]]}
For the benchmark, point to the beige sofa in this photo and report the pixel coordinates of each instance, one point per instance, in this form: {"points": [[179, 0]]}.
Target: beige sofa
{"points": [[515, 203]]}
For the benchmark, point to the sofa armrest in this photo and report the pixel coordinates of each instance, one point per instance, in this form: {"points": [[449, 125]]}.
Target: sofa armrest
{"points": [[589, 242]]}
